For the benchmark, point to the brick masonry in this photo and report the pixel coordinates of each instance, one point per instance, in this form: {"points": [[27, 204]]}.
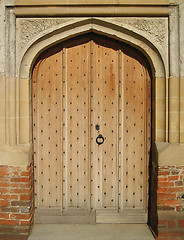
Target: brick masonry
{"points": [[16, 201], [170, 203]]}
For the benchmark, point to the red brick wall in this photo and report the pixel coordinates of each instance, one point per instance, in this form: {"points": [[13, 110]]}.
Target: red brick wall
{"points": [[170, 203], [171, 227], [170, 188], [16, 200]]}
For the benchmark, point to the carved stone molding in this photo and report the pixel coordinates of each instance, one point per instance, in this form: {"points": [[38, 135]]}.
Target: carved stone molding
{"points": [[29, 28], [156, 28]]}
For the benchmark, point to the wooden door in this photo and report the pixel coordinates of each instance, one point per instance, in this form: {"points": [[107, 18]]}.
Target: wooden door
{"points": [[91, 130]]}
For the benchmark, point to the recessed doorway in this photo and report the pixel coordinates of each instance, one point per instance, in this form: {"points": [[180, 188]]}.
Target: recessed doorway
{"points": [[92, 132]]}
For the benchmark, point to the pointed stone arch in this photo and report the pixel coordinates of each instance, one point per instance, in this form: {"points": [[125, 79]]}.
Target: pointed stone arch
{"points": [[73, 28], [79, 26]]}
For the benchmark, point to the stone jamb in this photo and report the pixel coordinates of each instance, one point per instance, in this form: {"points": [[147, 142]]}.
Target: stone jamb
{"points": [[174, 85], [181, 36]]}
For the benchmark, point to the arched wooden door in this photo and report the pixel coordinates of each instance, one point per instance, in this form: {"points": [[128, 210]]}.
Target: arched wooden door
{"points": [[91, 130]]}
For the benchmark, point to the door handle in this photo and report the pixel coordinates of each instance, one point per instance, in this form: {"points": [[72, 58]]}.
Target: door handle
{"points": [[100, 139]]}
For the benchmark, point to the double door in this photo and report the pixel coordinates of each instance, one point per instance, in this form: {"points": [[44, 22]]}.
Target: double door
{"points": [[91, 132]]}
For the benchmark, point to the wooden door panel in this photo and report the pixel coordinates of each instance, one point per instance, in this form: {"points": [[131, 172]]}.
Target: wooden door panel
{"points": [[82, 89], [47, 130], [136, 121], [104, 112], [77, 61], [134, 132]]}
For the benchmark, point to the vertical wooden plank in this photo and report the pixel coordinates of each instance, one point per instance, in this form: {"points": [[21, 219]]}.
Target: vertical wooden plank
{"points": [[35, 137], [134, 131], [148, 125], [121, 163], [109, 125], [64, 132], [47, 117], [77, 105], [104, 111], [96, 155]]}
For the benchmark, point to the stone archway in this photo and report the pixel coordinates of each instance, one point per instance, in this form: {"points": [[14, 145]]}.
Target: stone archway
{"points": [[92, 132], [90, 25], [78, 27]]}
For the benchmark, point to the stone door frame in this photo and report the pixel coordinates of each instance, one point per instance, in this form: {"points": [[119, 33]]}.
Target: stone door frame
{"points": [[75, 27]]}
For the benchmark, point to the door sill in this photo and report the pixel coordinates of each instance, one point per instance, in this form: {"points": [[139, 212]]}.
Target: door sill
{"points": [[55, 216], [122, 217], [69, 217]]}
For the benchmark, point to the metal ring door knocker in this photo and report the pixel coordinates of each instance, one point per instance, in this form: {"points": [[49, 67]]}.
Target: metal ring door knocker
{"points": [[100, 139]]}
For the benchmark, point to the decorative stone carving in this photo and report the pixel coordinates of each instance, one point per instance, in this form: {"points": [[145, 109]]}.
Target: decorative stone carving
{"points": [[31, 27], [157, 28]]}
